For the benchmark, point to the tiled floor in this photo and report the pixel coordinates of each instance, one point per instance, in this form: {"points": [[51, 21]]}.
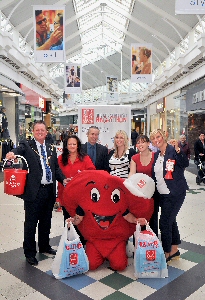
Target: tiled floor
{"points": [[18, 280]]}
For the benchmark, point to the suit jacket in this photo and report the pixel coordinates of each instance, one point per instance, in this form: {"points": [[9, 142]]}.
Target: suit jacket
{"points": [[102, 161], [198, 148], [178, 184], [29, 151]]}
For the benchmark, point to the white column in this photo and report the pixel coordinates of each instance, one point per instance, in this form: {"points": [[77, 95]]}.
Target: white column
{"points": [[191, 38], [16, 37], [177, 52], [167, 62]]}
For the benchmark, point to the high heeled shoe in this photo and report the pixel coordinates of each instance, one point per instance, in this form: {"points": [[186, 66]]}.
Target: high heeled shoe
{"points": [[174, 256]]}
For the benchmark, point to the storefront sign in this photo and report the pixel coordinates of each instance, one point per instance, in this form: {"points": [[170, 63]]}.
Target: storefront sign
{"points": [[198, 97], [160, 105], [32, 97]]}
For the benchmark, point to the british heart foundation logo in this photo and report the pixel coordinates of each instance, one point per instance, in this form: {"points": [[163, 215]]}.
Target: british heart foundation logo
{"points": [[141, 183], [88, 116]]}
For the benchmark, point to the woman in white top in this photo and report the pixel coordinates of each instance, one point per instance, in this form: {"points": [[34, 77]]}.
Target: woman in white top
{"points": [[168, 171], [120, 156]]}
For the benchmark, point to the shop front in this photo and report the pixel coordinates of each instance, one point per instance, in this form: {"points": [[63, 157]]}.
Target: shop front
{"points": [[158, 115], [169, 114], [195, 98], [33, 107], [9, 94]]}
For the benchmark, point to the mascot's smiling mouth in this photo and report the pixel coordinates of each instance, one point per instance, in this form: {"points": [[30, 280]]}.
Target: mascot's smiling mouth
{"points": [[104, 221]]}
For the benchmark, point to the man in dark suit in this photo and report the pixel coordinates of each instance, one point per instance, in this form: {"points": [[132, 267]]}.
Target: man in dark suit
{"points": [[40, 190], [199, 150], [199, 147], [98, 153]]}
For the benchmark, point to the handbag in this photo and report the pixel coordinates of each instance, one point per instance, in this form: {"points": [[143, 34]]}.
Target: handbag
{"points": [[149, 258], [70, 258]]}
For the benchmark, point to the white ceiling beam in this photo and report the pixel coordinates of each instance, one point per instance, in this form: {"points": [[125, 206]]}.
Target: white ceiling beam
{"points": [[139, 40], [142, 24], [164, 14], [5, 4]]}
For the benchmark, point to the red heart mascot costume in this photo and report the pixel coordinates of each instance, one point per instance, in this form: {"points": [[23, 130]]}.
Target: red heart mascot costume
{"points": [[104, 199]]}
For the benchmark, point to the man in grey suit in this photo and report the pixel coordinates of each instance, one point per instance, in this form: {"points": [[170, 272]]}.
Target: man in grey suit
{"points": [[40, 190], [98, 153]]}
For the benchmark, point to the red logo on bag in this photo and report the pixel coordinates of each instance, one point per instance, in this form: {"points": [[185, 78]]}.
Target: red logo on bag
{"points": [[74, 246], [73, 259], [141, 183], [151, 254]]}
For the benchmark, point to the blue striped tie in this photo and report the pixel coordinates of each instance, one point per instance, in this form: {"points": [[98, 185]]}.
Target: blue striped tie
{"points": [[47, 168]]}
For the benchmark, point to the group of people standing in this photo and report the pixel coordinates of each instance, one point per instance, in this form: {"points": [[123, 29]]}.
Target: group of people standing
{"points": [[168, 196], [122, 161]]}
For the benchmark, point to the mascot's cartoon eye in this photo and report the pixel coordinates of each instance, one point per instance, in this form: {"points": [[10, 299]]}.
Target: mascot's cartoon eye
{"points": [[95, 195], [115, 197]]}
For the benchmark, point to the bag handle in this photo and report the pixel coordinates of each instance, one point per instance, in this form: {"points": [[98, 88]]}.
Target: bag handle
{"points": [[5, 160]]}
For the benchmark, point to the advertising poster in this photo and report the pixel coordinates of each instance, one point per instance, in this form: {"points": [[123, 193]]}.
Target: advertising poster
{"points": [[112, 88], [141, 64], [195, 7], [49, 33], [108, 118], [73, 75]]}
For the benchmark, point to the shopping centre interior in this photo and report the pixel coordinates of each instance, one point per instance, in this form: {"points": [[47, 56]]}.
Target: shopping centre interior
{"points": [[98, 36]]}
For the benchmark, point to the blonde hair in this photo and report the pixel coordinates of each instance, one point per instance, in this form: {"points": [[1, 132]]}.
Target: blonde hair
{"points": [[126, 141], [155, 131]]}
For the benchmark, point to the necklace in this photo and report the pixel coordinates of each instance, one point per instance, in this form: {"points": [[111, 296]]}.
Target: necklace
{"points": [[162, 153], [47, 159]]}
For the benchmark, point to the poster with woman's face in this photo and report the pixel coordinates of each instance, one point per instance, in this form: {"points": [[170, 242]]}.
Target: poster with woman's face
{"points": [[141, 64], [49, 33]]}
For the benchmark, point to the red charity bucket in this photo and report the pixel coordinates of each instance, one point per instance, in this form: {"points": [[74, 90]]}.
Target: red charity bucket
{"points": [[14, 181]]}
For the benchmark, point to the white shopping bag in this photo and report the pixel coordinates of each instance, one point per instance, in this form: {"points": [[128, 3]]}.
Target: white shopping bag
{"points": [[149, 258], [70, 258]]}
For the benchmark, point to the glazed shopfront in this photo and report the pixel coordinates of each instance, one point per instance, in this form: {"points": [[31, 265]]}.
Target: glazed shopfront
{"points": [[195, 100], [169, 114]]}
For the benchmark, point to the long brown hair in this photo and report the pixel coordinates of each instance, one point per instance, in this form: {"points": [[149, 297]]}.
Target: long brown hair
{"points": [[65, 153]]}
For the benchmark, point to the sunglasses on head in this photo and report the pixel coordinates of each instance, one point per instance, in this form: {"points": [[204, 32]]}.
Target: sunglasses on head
{"points": [[41, 21]]}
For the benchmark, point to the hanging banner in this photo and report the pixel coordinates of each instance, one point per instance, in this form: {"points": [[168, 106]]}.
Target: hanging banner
{"points": [[73, 75], [112, 88], [141, 65], [49, 33], [195, 7], [108, 118]]}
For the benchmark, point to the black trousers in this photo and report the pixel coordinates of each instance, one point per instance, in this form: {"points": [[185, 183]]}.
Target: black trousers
{"points": [[170, 206], [153, 222], [38, 213]]}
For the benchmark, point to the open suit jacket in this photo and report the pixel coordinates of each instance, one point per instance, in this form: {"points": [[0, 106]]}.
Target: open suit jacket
{"points": [[29, 151], [102, 162], [198, 148], [178, 184]]}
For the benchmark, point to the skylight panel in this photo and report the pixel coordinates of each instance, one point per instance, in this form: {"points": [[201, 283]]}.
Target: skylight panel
{"points": [[100, 27]]}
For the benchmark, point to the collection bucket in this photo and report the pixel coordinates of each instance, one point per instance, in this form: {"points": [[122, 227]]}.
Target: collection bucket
{"points": [[15, 180]]}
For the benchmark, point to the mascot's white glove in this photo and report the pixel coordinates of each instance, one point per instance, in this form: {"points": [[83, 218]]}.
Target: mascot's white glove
{"points": [[140, 185]]}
